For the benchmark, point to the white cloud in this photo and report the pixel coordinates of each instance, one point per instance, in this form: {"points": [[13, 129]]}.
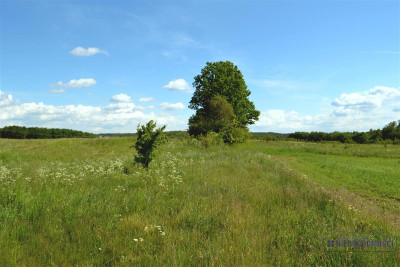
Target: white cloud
{"points": [[121, 98], [168, 106], [367, 100], [114, 117], [146, 99], [80, 51], [97, 129], [373, 108], [80, 83], [362, 111], [280, 120], [5, 100], [179, 84]]}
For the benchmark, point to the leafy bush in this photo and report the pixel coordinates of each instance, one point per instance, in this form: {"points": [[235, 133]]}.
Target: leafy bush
{"points": [[210, 139], [233, 135], [147, 142]]}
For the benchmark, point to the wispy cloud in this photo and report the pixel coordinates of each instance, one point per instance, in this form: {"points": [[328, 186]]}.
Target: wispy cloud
{"points": [[57, 91], [146, 99], [180, 40], [280, 84], [386, 52], [90, 51], [178, 45], [168, 106]]}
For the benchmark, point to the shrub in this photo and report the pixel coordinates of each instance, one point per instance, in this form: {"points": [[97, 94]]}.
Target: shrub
{"points": [[234, 135], [210, 139], [147, 142]]}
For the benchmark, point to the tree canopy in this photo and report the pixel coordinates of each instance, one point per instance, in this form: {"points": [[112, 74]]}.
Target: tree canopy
{"points": [[224, 79]]}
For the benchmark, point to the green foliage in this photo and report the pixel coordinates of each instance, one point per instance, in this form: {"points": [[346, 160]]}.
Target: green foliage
{"points": [[387, 135], [391, 131], [269, 136], [235, 134], [147, 142], [360, 138], [219, 118], [221, 103], [210, 139], [224, 79], [216, 118], [18, 132]]}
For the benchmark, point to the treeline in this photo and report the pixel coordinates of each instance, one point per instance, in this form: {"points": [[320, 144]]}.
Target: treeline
{"points": [[270, 136], [18, 132], [169, 134], [389, 134]]}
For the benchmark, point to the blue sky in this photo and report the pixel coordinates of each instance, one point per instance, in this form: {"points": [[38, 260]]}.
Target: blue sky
{"points": [[105, 66]]}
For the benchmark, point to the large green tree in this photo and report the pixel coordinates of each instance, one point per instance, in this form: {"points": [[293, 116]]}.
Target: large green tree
{"points": [[224, 79]]}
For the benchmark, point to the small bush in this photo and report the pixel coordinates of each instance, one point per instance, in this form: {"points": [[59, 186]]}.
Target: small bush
{"points": [[147, 142]]}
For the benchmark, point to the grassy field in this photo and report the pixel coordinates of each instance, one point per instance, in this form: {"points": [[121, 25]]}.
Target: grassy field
{"points": [[82, 202]]}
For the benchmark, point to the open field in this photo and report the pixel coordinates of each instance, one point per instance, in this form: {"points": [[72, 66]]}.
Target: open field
{"points": [[82, 202]]}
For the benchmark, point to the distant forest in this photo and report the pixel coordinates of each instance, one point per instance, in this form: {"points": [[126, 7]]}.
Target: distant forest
{"points": [[18, 132], [389, 134]]}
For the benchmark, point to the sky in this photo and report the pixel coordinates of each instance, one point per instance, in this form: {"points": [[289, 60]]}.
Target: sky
{"points": [[106, 66]]}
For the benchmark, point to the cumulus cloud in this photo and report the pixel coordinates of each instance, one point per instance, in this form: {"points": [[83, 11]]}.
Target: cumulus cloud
{"points": [[179, 84], [90, 51], [80, 83], [368, 100], [146, 99], [168, 106], [5, 100], [280, 120], [121, 98], [114, 117], [361, 111]]}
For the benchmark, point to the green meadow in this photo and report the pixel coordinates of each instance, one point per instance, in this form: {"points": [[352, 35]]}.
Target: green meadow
{"points": [[82, 202]]}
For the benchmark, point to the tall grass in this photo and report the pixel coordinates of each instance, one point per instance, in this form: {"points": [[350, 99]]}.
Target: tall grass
{"points": [[82, 202]]}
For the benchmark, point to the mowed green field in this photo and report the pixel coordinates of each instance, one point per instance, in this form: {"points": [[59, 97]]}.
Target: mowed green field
{"points": [[81, 202]]}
